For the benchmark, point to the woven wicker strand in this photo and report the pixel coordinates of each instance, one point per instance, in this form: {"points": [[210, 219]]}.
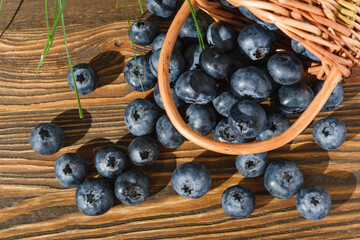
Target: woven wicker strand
{"points": [[336, 44]]}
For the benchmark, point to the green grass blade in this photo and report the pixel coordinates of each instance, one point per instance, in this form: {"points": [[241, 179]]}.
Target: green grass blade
{"points": [[68, 56], [193, 13], [141, 9], [1, 3], [47, 18], [117, 3]]}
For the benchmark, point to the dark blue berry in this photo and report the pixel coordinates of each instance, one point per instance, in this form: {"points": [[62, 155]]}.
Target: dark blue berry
{"points": [[85, 77], [201, 118], [244, 11], [298, 47], [247, 119], [285, 68], [143, 32], [283, 179], [159, 40], [139, 79], [215, 62], [251, 165], [329, 133], [188, 30], [224, 133], [140, 117], [313, 203], [158, 99], [162, 8], [224, 101], [94, 197], [192, 56], [336, 97], [222, 36], [46, 138], [251, 83], [110, 161], [276, 124], [195, 87], [312, 56], [167, 134], [238, 201], [293, 98], [143, 151], [191, 180], [70, 170], [132, 187], [227, 4]]}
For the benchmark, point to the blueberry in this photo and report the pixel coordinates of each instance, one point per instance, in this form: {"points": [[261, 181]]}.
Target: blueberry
{"points": [[215, 62], [238, 201], [293, 98], [336, 97], [162, 8], [224, 101], [191, 180], [283, 179], [298, 47], [110, 161], [140, 117], [329, 133], [201, 118], [195, 87], [46, 138], [227, 4], [143, 151], [158, 99], [285, 68], [131, 74], [222, 36], [94, 197], [244, 11], [251, 83], [192, 56], [188, 30], [70, 170], [223, 133], [251, 165], [176, 66], [276, 124], [132, 187], [85, 77], [167, 134], [143, 32], [313, 203], [247, 119], [159, 40], [238, 60], [256, 41], [312, 56]]}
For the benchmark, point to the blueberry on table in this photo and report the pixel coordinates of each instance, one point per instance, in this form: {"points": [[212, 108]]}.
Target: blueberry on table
{"points": [[298, 47], [159, 40], [188, 31], [195, 87], [143, 151], [329, 133], [251, 165], [140, 117], [191, 180], [132, 187], [131, 74], [222, 36], [238, 201], [70, 170], [247, 119], [201, 118], [110, 161], [163, 8], [283, 179], [46, 138], [85, 77], [256, 41], [215, 62], [94, 197], [224, 101], [192, 57], [251, 83], [249, 15], [285, 68], [293, 98], [143, 32], [167, 134], [224, 133], [276, 124], [313, 203], [312, 56], [336, 97], [158, 99]]}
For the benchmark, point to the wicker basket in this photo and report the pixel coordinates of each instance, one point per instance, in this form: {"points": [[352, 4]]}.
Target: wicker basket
{"points": [[327, 28]]}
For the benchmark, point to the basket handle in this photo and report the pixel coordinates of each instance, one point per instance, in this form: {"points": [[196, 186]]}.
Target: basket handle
{"points": [[222, 147]]}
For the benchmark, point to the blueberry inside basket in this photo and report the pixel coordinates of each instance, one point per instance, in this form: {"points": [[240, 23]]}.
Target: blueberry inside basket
{"points": [[329, 29]]}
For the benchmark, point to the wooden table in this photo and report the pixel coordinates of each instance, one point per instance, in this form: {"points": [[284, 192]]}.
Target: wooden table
{"points": [[34, 205]]}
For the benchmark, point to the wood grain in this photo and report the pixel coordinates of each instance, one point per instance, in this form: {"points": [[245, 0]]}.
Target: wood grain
{"points": [[33, 205]]}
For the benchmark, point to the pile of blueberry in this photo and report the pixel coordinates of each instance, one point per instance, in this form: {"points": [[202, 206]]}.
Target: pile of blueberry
{"points": [[220, 89]]}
